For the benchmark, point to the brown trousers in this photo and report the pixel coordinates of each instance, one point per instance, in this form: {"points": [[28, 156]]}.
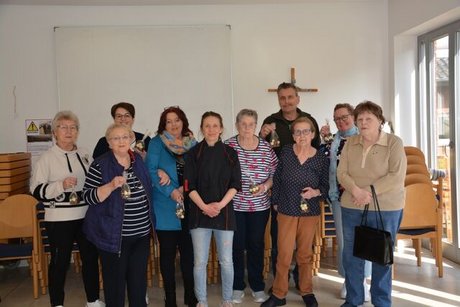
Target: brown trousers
{"points": [[294, 231]]}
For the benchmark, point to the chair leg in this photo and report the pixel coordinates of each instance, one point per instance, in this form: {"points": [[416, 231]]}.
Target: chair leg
{"points": [[418, 250]]}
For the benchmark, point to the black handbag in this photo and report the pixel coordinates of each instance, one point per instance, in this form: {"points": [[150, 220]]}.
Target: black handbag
{"points": [[373, 244]]}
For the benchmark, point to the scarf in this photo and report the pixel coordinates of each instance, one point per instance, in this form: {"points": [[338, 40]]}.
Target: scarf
{"points": [[336, 148], [177, 147]]}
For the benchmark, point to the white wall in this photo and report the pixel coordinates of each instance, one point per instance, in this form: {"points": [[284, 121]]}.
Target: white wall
{"points": [[340, 48], [407, 20]]}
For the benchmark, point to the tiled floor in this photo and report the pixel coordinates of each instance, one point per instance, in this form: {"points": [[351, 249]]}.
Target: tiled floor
{"points": [[413, 286]]}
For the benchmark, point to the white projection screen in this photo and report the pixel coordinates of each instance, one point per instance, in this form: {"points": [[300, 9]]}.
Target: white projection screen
{"points": [[152, 67]]}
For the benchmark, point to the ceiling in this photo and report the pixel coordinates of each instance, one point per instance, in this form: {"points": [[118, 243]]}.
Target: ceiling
{"points": [[162, 2]]}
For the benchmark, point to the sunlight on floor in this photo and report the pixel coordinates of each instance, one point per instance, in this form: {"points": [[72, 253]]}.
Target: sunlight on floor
{"points": [[401, 294]]}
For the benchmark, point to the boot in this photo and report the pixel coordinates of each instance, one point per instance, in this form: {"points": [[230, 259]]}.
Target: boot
{"points": [[170, 295], [189, 293]]}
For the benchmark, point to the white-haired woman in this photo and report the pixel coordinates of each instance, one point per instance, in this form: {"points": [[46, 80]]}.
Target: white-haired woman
{"points": [[60, 171]]}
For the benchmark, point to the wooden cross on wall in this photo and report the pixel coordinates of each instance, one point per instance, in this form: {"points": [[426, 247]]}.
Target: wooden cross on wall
{"points": [[293, 81]]}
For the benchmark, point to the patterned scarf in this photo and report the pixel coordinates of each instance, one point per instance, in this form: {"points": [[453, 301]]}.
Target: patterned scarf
{"points": [[178, 147]]}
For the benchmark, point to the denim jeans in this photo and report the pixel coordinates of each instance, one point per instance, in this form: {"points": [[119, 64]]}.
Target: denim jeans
{"points": [[201, 238], [337, 213], [249, 237], [354, 267]]}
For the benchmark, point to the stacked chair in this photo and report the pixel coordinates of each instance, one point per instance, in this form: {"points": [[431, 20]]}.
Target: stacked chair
{"points": [[422, 215], [17, 228]]}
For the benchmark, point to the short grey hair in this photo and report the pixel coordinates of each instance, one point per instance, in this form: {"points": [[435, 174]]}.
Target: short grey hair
{"points": [[64, 115], [246, 112]]}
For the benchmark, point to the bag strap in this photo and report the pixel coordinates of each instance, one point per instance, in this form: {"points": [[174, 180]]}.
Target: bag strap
{"points": [[377, 208], [364, 216]]}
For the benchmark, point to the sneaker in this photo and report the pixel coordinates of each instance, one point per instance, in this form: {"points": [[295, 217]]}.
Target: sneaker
{"points": [[259, 296], [310, 300], [96, 303], [367, 291], [147, 299], [237, 296], [343, 291], [226, 304], [201, 304]]}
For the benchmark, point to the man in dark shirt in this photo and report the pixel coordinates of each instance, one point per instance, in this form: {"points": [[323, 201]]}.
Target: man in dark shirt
{"points": [[288, 99]]}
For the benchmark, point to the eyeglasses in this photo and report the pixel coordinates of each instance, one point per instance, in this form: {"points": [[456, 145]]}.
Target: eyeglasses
{"points": [[341, 118], [123, 138], [68, 128], [302, 132], [121, 116]]}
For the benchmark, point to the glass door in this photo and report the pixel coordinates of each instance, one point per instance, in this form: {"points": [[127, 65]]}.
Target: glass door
{"points": [[439, 123]]}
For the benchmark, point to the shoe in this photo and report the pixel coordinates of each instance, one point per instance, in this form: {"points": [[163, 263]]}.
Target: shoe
{"points": [[237, 296], [367, 291], [201, 304], [147, 300], [96, 303], [310, 300], [259, 296], [226, 304], [273, 301], [343, 292]]}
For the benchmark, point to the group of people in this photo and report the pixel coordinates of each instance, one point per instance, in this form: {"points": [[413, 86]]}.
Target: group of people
{"points": [[184, 192]]}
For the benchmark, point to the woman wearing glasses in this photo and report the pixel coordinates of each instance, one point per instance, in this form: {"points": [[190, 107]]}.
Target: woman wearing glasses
{"points": [[174, 139], [344, 120], [58, 175], [119, 218], [123, 113], [299, 183]]}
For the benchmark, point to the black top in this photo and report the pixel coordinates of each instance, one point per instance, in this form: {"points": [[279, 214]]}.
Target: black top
{"points": [[102, 145], [283, 129], [212, 171]]}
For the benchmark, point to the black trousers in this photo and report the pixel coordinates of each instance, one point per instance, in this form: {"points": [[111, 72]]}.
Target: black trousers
{"points": [[126, 270], [62, 236], [170, 241], [249, 237]]}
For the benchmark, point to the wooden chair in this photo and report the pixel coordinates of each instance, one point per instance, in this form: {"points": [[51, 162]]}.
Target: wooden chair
{"points": [[417, 178], [413, 159], [422, 218], [327, 229], [17, 221], [411, 150], [417, 169]]}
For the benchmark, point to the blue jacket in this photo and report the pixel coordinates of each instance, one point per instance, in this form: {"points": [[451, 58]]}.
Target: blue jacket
{"points": [[158, 157], [103, 221]]}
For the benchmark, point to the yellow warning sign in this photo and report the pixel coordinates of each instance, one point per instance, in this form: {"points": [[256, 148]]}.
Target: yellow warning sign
{"points": [[32, 127]]}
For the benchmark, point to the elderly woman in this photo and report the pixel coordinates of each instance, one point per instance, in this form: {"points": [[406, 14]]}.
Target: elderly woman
{"points": [[343, 118], [119, 218], [123, 114], [166, 151], [299, 184], [212, 177], [58, 175], [258, 163], [371, 158]]}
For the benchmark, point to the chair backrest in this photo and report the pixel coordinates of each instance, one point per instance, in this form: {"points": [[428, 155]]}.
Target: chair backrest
{"points": [[421, 207], [17, 217], [417, 169], [411, 150], [413, 159], [417, 178]]}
